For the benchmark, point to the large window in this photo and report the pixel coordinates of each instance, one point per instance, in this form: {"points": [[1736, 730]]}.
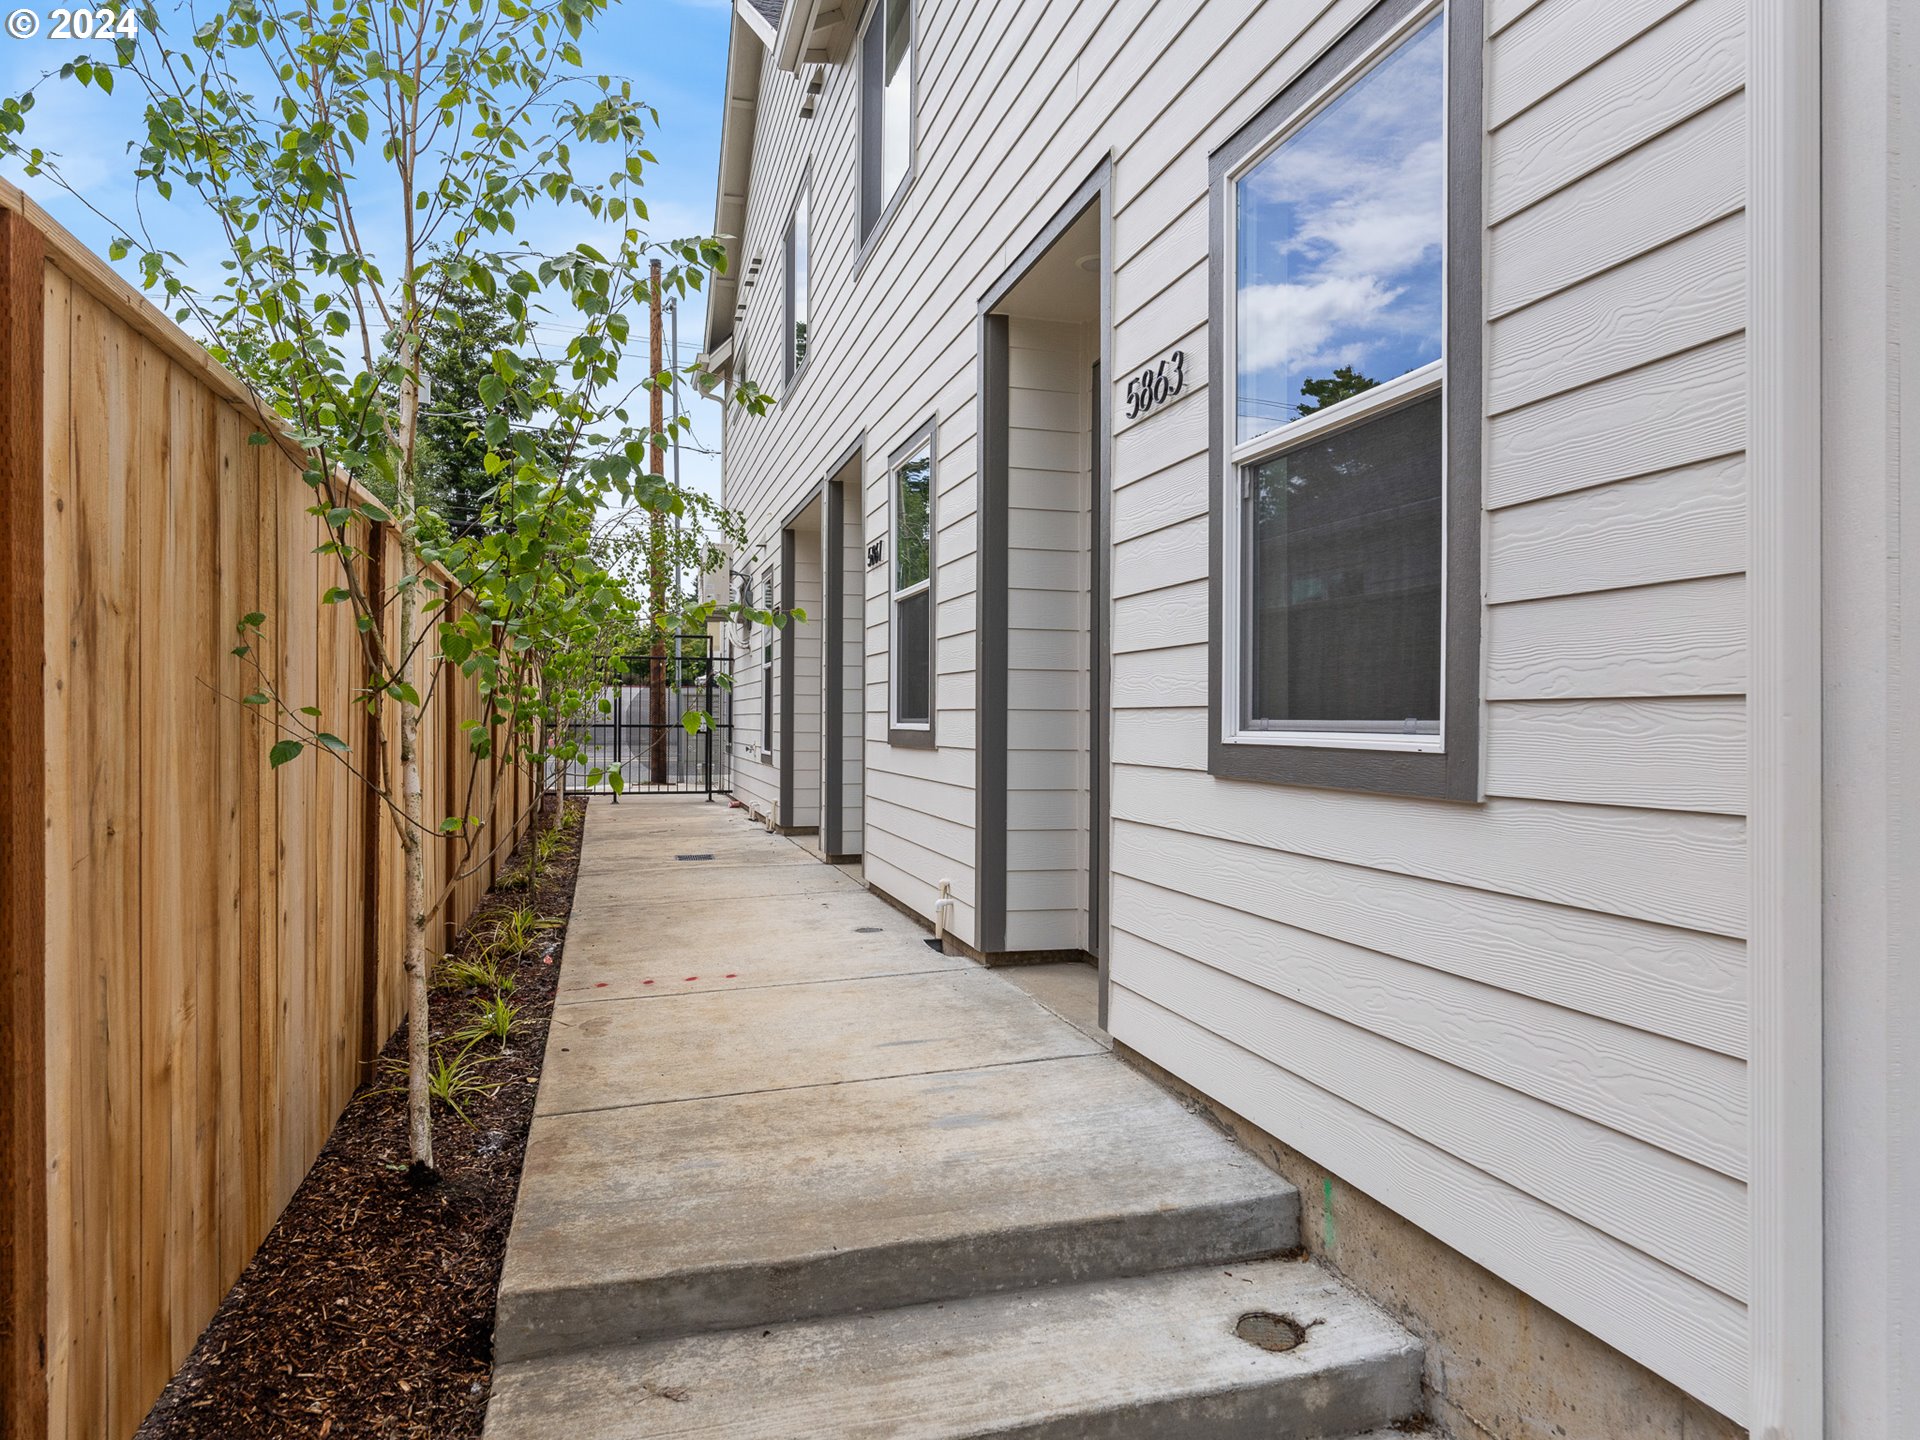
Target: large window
{"points": [[912, 482], [886, 108], [1347, 505], [797, 285]]}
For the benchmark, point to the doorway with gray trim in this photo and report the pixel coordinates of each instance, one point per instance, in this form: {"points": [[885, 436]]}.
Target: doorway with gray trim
{"points": [[1042, 639]]}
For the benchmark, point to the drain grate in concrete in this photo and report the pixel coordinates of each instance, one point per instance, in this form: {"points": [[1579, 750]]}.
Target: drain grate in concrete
{"points": [[693, 857], [1278, 1333], [866, 929]]}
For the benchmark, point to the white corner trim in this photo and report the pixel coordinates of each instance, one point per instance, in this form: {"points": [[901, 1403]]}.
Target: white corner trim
{"points": [[1783, 706], [756, 22]]}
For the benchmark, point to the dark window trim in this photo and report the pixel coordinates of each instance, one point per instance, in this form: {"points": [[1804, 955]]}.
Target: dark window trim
{"points": [[1454, 773], [914, 737], [868, 138], [791, 371], [990, 594]]}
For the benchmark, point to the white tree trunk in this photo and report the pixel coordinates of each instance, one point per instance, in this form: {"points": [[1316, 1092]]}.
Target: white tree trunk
{"points": [[419, 1101], [419, 1112]]}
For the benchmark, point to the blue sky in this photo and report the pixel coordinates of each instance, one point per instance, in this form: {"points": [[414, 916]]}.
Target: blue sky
{"points": [[674, 51], [1339, 238]]}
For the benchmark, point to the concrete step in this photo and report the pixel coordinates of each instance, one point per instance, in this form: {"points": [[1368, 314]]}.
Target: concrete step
{"points": [[1141, 1358], [719, 1213]]}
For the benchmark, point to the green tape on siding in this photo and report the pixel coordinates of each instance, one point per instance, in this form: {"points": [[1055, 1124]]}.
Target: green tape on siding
{"points": [[1326, 1214]]}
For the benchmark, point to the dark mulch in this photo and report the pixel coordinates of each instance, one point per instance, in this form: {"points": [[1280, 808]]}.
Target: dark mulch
{"points": [[368, 1309]]}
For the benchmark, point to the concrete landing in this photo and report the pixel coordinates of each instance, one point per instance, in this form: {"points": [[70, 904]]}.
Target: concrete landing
{"points": [[1150, 1357], [769, 1106], [828, 1199]]}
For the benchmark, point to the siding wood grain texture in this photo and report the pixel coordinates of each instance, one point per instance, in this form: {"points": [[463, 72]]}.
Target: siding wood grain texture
{"points": [[1442, 1003], [205, 951]]}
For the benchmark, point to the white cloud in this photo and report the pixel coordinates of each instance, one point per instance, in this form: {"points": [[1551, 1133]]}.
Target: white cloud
{"points": [[1341, 226], [1291, 325]]}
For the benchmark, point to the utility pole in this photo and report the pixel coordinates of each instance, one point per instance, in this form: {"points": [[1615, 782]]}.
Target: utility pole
{"points": [[657, 544]]}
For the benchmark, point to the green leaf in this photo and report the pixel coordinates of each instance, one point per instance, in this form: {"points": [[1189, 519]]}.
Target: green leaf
{"points": [[332, 742], [283, 751], [617, 782], [254, 699]]}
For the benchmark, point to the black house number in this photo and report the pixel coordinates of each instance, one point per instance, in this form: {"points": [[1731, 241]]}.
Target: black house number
{"points": [[876, 552], [1157, 384]]}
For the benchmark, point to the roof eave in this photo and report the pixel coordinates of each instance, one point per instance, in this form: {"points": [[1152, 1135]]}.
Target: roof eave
{"points": [[814, 32], [745, 49]]}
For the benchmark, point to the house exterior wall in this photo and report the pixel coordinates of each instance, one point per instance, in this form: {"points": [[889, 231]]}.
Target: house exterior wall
{"points": [[1521, 1023], [1049, 592]]}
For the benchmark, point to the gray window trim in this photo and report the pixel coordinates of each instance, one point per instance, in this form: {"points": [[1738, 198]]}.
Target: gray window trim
{"points": [[915, 737], [802, 193], [872, 226], [1454, 773]]}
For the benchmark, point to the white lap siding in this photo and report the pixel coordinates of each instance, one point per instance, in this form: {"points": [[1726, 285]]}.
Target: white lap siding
{"points": [[1048, 577], [1520, 1023]]}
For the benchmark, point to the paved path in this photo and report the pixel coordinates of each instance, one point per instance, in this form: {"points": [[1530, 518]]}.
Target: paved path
{"points": [[793, 1172]]}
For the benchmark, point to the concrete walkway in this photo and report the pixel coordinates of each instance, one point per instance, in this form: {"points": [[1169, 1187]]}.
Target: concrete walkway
{"points": [[794, 1173]]}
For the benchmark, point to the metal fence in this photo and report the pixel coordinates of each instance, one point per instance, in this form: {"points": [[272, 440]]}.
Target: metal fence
{"points": [[642, 733]]}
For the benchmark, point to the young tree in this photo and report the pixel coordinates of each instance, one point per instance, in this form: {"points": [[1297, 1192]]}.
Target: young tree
{"points": [[1344, 383], [366, 165], [457, 346]]}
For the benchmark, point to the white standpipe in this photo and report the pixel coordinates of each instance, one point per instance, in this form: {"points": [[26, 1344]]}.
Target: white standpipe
{"points": [[941, 908]]}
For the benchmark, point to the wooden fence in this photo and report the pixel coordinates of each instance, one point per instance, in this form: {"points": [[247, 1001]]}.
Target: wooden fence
{"points": [[201, 954]]}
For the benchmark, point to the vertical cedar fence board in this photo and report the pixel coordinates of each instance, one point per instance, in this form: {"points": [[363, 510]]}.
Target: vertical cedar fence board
{"points": [[190, 996]]}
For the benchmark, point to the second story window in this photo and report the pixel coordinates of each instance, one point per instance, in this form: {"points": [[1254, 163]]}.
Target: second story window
{"points": [[886, 108], [797, 285]]}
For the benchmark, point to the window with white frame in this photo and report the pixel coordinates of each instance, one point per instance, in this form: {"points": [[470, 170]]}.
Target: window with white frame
{"points": [[797, 284], [912, 483], [1341, 630], [886, 108]]}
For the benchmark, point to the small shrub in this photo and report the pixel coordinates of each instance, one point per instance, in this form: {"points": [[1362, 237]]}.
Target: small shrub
{"points": [[481, 972], [453, 1079], [494, 1018], [514, 933]]}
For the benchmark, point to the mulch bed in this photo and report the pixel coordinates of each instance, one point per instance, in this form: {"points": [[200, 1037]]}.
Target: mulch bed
{"points": [[368, 1309]]}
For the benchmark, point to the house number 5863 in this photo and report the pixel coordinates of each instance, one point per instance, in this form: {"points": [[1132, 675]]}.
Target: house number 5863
{"points": [[1157, 384]]}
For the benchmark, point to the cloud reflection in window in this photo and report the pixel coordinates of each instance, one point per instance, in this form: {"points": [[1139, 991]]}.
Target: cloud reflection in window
{"points": [[1338, 239]]}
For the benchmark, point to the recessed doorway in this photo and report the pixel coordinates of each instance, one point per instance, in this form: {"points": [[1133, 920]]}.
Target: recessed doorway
{"points": [[1042, 646]]}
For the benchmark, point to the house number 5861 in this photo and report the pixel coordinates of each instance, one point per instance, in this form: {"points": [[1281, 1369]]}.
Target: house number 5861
{"points": [[1157, 384]]}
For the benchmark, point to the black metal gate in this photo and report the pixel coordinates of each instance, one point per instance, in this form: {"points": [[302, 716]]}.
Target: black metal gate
{"points": [[641, 734]]}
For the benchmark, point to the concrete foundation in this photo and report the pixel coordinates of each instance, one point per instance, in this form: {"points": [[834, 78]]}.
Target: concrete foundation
{"points": [[1499, 1365]]}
